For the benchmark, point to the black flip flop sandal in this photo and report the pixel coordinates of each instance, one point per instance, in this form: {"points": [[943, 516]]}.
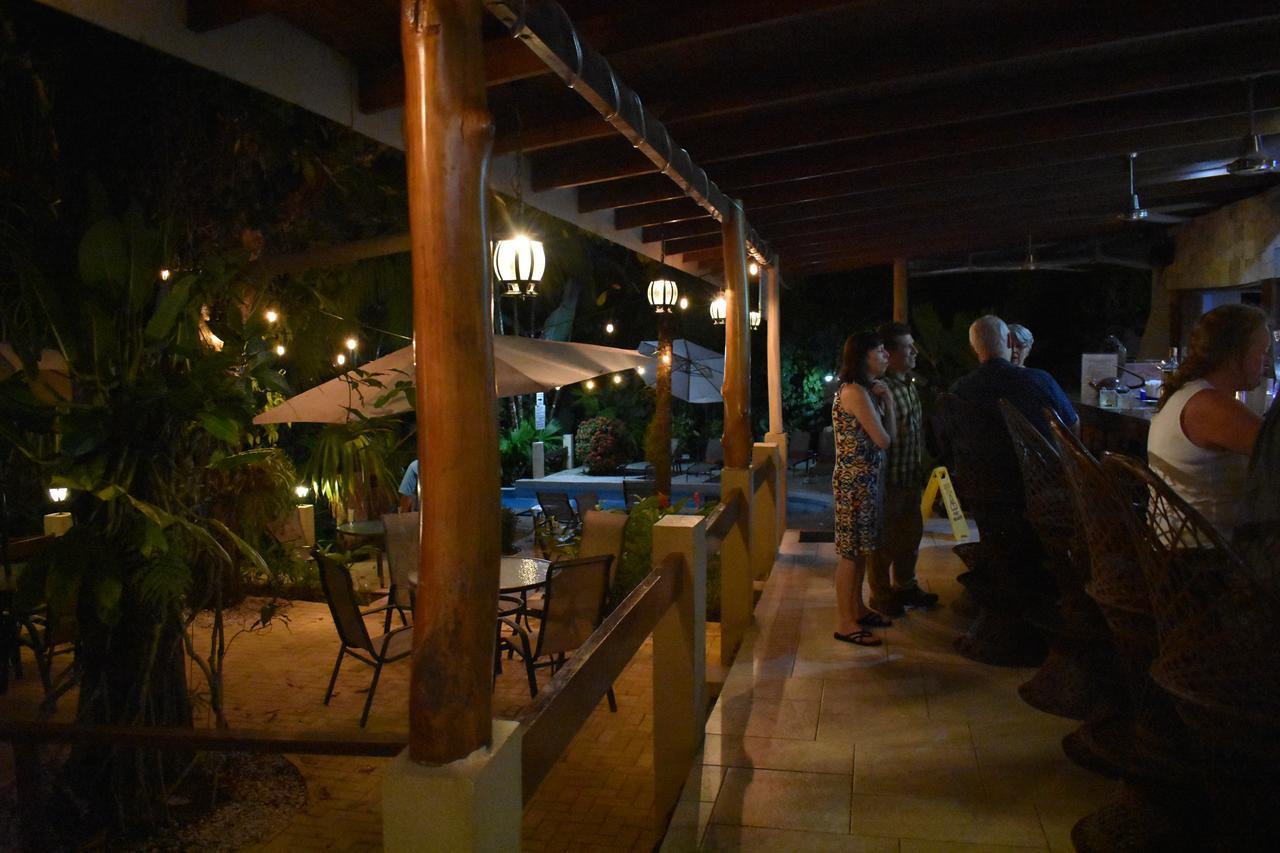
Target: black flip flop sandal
{"points": [[874, 620], [859, 638]]}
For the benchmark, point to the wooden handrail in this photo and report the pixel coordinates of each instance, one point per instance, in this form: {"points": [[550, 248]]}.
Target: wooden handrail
{"points": [[722, 520], [567, 701], [760, 473], [212, 740]]}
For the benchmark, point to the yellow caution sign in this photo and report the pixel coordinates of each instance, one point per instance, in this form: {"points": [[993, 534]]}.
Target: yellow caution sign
{"points": [[940, 480]]}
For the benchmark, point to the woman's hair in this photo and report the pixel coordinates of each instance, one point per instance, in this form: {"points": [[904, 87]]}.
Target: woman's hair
{"points": [[853, 366], [1219, 337], [1021, 335]]}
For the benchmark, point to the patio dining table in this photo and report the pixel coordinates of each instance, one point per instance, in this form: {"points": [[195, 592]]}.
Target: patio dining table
{"points": [[372, 531], [515, 575]]}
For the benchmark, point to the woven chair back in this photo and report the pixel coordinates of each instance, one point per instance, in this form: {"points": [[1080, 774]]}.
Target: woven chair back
{"points": [[586, 501], [341, 597], [1048, 497], [602, 536], [1101, 504], [1219, 627], [403, 551], [556, 505], [575, 601]]}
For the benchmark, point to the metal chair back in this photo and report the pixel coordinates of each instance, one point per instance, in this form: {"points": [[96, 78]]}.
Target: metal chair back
{"points": [[403, 551], [556, 505], [602, 535], [575, 602], [634, 491], [340, 594]]}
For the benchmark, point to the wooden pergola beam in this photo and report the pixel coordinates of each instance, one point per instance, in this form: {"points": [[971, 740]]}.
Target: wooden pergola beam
{"points": [[1114, 70], [547, 31], [612, 160], [1202, 140]]}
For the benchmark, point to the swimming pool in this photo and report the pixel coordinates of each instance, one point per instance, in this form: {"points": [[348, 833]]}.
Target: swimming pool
{"points": [[521, 499]]}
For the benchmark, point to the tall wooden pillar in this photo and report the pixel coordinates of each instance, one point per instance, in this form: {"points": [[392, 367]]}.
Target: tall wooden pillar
{"points": [[900, 308], [737, 439], [777, 427], [448, 134]]}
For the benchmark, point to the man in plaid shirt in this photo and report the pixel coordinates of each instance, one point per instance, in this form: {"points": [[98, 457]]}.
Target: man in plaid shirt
{"points": [[904, 477]]}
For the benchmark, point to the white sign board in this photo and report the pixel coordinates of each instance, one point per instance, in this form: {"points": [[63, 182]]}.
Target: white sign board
{"points": [[1095, 366]]}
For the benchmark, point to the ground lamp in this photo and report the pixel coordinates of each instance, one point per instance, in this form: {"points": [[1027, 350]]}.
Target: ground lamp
{"points": [[59, 522], [518, 264]]}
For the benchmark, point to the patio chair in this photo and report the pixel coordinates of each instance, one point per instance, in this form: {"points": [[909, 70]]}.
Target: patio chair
{"points": [[574, 607], [403, 551], [354, 634], [586, 502], [555, 522], [712, 461], [634, 491], [602, 536]]}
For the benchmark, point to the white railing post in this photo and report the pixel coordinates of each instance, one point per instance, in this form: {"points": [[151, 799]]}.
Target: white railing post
{"points": [[679, 658], [737, 590], [764, 511]]}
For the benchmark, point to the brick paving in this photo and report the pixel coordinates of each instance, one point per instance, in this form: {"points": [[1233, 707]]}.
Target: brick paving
{"points": [[598, 797]]}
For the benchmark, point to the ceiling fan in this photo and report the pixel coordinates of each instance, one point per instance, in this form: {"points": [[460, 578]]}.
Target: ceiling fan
{"points": [[1028, 264], [1258, 156], [1136, 212]]}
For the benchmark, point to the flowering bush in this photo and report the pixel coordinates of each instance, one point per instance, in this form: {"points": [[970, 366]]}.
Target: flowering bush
{"points": [[602, 445]]}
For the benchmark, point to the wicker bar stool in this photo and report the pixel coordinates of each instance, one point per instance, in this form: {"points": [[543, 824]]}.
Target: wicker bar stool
{"points": [[1146, 743], [1077, 679], [1219, 657], [1006, 578]]}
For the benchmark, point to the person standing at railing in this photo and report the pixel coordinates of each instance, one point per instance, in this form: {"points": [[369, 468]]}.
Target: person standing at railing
{"points": [[904, 476], [863, 421]]}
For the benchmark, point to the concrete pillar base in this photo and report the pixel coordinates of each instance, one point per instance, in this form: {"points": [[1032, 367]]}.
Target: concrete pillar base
{"points": [[474, 804]]}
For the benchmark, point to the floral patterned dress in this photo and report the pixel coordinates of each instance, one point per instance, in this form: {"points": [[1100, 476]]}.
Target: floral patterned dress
{"points": [[858, 484]]}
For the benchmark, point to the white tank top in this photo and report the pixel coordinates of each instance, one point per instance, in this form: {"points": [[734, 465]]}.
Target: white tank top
{"points": [[1212, 481]]}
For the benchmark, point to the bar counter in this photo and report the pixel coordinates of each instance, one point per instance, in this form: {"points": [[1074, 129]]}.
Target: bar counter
{"points": [[1115, 430]]}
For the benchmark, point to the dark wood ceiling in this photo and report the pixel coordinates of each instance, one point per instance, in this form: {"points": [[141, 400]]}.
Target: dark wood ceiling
{"points": [[859, 131]]}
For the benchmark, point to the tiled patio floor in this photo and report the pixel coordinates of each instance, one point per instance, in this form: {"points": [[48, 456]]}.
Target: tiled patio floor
{"points": [[816, 745]]}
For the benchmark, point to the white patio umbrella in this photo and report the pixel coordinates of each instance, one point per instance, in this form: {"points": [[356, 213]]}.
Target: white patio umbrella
{"points": [[697, 373], [521, 366]]}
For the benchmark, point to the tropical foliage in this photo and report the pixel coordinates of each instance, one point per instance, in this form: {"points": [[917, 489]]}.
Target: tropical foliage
{"points": [[515, 448], [602, 444], [164, 477]]}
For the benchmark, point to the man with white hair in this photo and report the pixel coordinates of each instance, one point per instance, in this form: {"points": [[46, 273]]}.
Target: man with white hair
{"points": [[1030, 390]]}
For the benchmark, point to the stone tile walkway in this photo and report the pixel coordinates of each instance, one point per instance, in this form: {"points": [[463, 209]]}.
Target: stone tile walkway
{"points": [[816, 745]]}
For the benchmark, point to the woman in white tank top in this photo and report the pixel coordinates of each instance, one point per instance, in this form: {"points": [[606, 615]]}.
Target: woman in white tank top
{"points": [[1201, 437]]}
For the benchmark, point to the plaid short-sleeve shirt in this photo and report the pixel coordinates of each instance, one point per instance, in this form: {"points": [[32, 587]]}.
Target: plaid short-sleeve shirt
{"points": [[905, 456]]}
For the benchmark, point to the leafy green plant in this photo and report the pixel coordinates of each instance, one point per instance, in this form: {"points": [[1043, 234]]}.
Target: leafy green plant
{"points": [[637, 550], [602, 444], [515, 448], [349, 464], [151, 444]]}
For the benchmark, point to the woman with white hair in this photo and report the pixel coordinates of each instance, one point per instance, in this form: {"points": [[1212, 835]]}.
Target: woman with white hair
{"points": [[1020, 342]]}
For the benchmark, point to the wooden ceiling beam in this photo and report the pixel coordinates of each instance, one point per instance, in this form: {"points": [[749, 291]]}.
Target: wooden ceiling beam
{"points": [[1162, 147], [626, 30], [1220, 54], [1219, 101], [878, 58]]}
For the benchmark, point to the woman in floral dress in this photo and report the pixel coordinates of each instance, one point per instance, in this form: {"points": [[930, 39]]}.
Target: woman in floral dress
{"points": [[863, 420]]}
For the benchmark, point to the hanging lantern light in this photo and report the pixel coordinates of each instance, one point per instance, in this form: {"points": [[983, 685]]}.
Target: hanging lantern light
{"points": [[663, 295], [518, 264], [754, 317], [718, 310]]}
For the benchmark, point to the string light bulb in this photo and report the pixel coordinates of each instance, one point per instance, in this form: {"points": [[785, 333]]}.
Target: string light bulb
{"points": [[279, 349], [591, 384], [341, 359], [166, 274], [271, 315], [684, 302], [666, 358], [352, 343], [608, 328], [640, 370], [753, 268], [617, 379]]}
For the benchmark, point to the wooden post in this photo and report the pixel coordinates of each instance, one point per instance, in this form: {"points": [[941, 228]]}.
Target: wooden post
{"points": [[448, 134], [679, 659], [737, 345], [777, 427], [900, 312], [659, 438]]}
